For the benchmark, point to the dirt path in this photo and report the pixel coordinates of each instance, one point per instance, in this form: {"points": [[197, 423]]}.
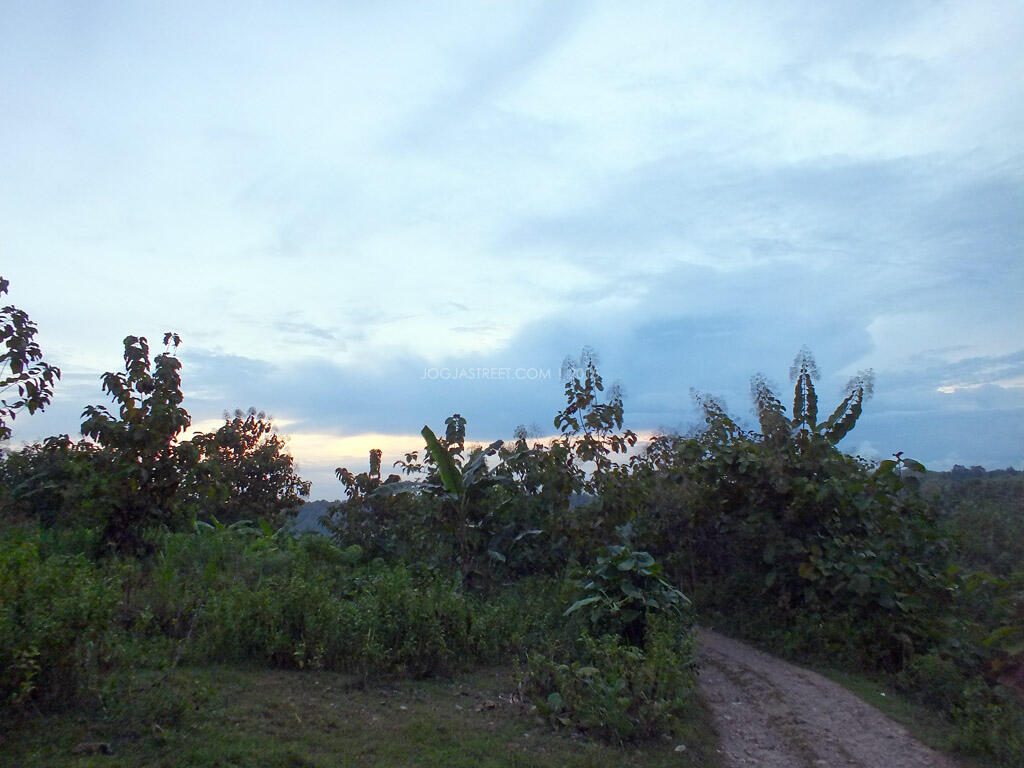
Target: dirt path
{"points": [[775, 715]]}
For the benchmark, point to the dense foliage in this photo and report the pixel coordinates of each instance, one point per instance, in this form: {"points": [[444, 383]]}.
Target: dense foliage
{"points": [[606, 686], [582, 559], [57, 622], [984, 513], [244, 472], [145, 463], [784, 539]]}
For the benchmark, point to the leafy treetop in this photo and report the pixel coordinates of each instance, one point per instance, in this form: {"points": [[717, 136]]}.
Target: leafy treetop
{"points": [[775, 427], [141, 439], [21, 366]]}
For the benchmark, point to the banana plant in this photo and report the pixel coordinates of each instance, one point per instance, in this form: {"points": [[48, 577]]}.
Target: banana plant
{"points": [[458, 486]]}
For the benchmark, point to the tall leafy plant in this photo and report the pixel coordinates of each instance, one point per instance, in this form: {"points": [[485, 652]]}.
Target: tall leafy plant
{"points": [[621, 589], [363, 484], [391, 527], [459, 486], [775, 427], [589, 423], [785, 521], [147, 463]]}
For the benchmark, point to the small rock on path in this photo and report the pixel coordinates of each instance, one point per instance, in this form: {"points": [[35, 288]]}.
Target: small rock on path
{"points": [[772, 714]]}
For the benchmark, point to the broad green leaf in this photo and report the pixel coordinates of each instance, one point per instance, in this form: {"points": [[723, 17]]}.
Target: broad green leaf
{"points": [[478, 464], [630, 590], [581, 603], [449, 473]]}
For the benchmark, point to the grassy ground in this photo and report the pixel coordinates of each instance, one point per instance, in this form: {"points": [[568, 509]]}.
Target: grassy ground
{"points": [[226, 716]]}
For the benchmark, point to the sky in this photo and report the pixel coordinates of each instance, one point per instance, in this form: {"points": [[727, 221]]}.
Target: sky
{"points": [[364, 217]]}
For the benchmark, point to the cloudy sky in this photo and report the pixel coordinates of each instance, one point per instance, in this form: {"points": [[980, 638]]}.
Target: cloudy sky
{"points": [[335, 203]]}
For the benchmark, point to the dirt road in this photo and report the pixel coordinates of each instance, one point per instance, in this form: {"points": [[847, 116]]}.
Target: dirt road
{"points": [[775, 715]]}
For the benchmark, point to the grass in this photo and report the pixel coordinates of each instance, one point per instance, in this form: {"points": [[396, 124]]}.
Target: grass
{"points": [[230, 716]]}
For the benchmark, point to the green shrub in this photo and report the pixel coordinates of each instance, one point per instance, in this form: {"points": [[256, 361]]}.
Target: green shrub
{"points": [[622, 589], [287, 620], [615, 691], [238, 595], [935, 681], [414, 624], [526, 615], [384, 620], [991, 721], [56, 623]]}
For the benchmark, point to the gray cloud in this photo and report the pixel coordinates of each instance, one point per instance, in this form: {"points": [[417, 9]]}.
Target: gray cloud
{"points": [[304, 329]]}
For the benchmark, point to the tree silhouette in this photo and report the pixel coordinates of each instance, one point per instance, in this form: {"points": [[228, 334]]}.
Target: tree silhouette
{"points": [[771, 414], [21, 366]]}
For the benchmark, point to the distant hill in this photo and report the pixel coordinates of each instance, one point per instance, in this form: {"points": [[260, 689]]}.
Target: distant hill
{"points": [[308, 517]]}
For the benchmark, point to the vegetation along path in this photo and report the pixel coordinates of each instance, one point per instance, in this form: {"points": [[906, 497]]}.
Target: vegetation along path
{"points": [[771, 713]]}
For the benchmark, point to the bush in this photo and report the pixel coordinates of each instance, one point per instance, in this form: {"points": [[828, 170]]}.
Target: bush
{"points": [[378, 620], [243, 595], [935, 681], [622, 589], [244, 471], [613, 690], [627, 672], [56, 623], [246, 595], [396, 528], [991, 721]]}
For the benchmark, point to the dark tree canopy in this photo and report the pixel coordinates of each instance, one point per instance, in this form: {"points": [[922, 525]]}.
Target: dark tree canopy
{"points": [[245, 471]]}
